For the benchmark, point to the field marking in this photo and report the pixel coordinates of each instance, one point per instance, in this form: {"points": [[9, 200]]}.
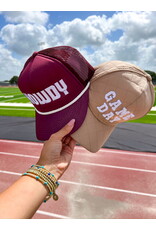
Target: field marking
{"points": [[150, 114], [93, 186], [15, 99], [153, 108], [17, 109], [17, 104], [86, 163], [10, 92], [6, 96]]}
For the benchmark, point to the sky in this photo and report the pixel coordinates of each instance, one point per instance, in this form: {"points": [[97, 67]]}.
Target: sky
{"points": [[100, 36]]}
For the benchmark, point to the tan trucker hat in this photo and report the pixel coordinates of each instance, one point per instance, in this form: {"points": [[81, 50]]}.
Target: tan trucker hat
{"points": [[119, 91]]}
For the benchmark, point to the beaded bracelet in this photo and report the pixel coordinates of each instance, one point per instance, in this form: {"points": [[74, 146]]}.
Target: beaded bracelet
{"points": [[48, 182], [48, 179]]}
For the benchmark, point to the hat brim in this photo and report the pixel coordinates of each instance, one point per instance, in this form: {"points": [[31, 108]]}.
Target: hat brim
{"points": [[46, 125], [92, 134]]}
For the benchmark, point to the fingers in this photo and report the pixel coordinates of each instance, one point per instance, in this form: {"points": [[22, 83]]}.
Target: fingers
{"points": [[66, 140], [70, 142], [64, 131]]}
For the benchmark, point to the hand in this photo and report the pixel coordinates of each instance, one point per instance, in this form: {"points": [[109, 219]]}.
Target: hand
{"points": [[57, 152]]}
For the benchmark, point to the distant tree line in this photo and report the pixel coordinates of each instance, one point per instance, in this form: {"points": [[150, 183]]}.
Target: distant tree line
{"points": [[153, 75], [14, 79]]}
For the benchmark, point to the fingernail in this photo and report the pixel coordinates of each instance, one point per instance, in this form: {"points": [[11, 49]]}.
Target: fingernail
{"points": [[71, 123]]}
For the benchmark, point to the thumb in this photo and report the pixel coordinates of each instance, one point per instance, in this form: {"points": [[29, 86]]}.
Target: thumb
{"points": [[64, 131]]}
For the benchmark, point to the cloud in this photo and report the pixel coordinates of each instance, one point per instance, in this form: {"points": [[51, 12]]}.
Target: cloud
{"points": [[136, 42], [80, 33], [36, 17], [136, 25], [91, 31], [23, 39], [9, 65]]}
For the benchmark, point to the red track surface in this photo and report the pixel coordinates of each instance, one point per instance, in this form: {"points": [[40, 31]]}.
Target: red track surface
{"points": [[110, 184]]}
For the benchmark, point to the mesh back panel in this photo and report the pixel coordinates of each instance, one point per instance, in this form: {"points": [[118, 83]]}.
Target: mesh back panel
{"points": [[73, 60]]}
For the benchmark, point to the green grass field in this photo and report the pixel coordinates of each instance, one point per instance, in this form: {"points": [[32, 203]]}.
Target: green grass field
{"points": [[13, 95]]}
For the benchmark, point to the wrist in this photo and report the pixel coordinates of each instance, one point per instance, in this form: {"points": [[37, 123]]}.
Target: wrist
{"points": [[51, 168], [44, 176]]}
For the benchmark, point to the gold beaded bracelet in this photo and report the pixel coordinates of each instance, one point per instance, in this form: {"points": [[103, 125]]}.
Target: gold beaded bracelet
{"points": [[46, 178]]}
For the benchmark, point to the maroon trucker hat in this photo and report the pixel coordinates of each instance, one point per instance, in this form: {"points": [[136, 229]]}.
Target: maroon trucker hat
{"points": [[56, 81]]}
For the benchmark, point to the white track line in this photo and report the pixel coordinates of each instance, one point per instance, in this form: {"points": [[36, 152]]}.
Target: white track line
{"points": [[102, 150], [52, 214], [39, 211], [130, 153], [21, 142], [18, 155], [11, 173], [115, 167], [93, 186], [85, 163], [109, 188]]}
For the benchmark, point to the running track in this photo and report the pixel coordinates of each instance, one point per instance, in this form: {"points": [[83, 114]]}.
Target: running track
{"points": [[111, 184]]}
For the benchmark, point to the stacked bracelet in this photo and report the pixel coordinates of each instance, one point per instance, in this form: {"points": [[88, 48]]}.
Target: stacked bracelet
{"points": [[46, 178]]}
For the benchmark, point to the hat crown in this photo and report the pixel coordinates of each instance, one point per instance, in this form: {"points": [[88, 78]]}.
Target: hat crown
{"points": [[120, 92], [56, 80], [49, 77]]}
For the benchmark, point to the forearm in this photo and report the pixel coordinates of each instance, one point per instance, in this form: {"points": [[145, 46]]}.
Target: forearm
{"points": [[22, 199]]}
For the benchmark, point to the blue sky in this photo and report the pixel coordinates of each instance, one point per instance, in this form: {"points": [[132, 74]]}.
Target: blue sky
{"points": [[59, 16], [99, 35]]}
